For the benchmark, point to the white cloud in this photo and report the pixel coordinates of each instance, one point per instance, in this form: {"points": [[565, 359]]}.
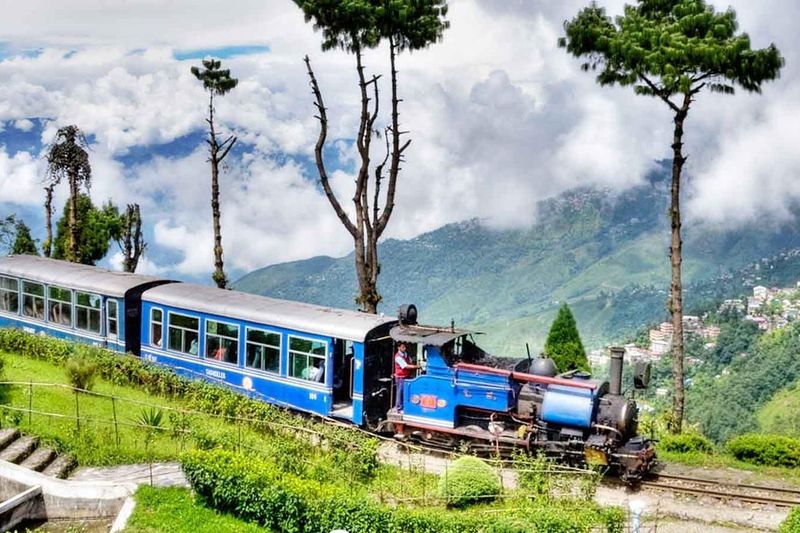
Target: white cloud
{"points": [[20, 178], [499, 117], [23, 124]]}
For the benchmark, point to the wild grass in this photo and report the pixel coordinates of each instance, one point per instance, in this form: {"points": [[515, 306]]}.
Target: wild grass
{"points": [[176, 510]]}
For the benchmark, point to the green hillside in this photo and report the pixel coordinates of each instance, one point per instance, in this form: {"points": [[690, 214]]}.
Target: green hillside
{"points": [[605, 254], [781, 415]]}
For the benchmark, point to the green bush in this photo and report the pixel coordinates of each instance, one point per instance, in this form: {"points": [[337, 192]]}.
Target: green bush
{"points": [[792, 522], [257, 490], [686, 443], [469, 480], [768, 450], [81, 370]]}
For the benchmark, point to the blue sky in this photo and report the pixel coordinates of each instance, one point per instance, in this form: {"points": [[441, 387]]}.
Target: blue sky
{"points": [[497, 123]]}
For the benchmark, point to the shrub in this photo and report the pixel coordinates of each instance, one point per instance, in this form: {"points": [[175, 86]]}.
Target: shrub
{"points": [[768, 450], [257, 490], [469, 480], [686, 443], [792, 522], [81, 370]]}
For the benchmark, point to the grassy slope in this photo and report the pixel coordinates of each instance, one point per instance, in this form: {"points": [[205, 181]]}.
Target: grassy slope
{"points": [[96, 444], [175, 510], [781, 415]]}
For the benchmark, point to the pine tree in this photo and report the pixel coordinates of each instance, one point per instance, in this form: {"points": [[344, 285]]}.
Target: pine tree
{"points": [[671, 50], [564, 344]]}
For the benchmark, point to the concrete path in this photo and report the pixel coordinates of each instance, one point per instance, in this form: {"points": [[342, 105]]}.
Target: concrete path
{"points": [[164, 474]]}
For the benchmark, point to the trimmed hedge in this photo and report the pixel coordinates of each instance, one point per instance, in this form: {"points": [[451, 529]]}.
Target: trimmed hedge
{"points": [[355, 451], [768, 450], [686, 443], [259, 491], [792, 522], [469, 480]]}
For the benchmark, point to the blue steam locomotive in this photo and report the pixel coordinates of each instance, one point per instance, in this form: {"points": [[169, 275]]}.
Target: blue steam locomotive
{"points": [[333, 362]]}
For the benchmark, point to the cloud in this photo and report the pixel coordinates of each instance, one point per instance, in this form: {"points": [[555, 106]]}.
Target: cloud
{"points": [[755, 176], [499, 118], [23, 124], [20, 178]]}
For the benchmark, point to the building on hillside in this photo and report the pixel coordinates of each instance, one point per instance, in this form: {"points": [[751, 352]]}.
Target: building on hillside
{"points": [[691, 323], [732, 305], [760, 293], [661, 347], [754, 306], [635, 353], [711, 332], [760, 321], [598, 357], [666, 327]]}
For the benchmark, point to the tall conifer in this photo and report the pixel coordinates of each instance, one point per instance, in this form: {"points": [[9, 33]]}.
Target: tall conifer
{"points": [[564, 344]]}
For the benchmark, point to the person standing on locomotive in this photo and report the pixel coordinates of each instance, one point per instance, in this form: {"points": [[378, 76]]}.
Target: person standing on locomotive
{"points": [[403, 368]]}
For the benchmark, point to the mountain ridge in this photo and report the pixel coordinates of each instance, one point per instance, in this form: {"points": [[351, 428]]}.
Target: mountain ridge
{"points": [[604, 253]]}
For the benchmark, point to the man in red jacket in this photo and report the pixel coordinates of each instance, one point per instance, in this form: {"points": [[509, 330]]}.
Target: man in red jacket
{"points": [[403, 368]]}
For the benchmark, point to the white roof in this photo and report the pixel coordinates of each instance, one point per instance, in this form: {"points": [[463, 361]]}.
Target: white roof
{"points": [[328, 321], [72, 275]]}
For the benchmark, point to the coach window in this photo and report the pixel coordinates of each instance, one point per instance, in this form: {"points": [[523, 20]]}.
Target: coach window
{"points": [[307, 359], [9, 295], [87, 312], [111, 318], [263, 350], [222, 342], [156, 327], [33, 300], [59, 304], [183, 333]]}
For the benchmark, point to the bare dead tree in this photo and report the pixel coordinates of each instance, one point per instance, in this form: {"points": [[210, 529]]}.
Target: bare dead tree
{"points": [[354, 27], [371, 219], [217, 81], [47, 247]]}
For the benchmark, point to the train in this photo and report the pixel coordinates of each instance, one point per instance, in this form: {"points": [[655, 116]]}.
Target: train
{"points": [[336, 363]]}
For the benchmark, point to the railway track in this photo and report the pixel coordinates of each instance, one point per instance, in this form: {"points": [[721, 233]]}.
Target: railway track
{"points": [[760, 494]]}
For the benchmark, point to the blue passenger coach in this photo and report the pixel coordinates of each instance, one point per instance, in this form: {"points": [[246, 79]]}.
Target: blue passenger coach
{"points": [[72, 301], [298, 355]]}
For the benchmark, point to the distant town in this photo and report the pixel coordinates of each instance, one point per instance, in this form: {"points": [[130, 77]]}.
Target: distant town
{"points": [[769, 308]]}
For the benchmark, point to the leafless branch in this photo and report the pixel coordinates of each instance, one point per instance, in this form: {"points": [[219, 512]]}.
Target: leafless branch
{"points": [[323, 134]]}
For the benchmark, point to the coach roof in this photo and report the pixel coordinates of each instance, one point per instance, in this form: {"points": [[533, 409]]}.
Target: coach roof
{"points": [[72, 275], [328, 321]]}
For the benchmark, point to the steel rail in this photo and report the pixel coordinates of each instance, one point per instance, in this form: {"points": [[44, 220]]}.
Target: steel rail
{"points": [[750, 498], [766, 488]]}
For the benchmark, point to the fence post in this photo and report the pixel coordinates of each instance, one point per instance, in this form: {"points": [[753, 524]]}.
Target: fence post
{"points": [[114, 412], [77, 412], [30, 402]]}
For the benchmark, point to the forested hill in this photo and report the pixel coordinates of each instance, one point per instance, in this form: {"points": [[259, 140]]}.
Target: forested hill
{"points": [[605, 254]]}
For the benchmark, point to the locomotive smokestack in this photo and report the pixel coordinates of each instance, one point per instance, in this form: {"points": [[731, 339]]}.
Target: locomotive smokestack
{"points": [[615, 380]]}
